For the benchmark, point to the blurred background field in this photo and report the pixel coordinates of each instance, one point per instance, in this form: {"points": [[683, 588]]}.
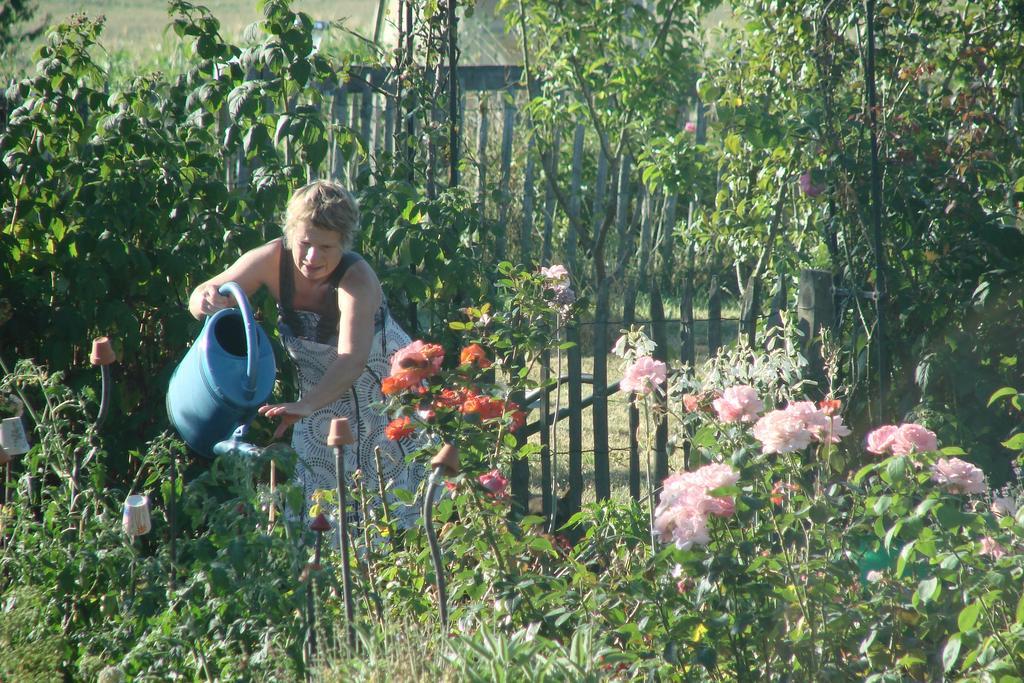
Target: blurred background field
{"points": [[137, 34]]}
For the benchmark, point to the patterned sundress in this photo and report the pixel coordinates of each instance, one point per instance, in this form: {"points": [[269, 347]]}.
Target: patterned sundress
{"points": [[311, 341]]}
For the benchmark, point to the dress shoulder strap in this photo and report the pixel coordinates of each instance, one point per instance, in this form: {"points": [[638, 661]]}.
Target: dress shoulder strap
{"points": [[286, 286], [327, 327]]}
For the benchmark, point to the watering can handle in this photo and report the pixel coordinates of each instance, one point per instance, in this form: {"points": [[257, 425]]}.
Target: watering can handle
{"points": [[249, 321]]}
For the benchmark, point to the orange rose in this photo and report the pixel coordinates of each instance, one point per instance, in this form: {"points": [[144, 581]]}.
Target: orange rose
{"points": [[474, 354], [398, 429]]}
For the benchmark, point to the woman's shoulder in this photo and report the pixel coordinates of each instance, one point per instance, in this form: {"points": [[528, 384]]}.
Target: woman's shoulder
{"points": [[358, 271], [359, 279]]}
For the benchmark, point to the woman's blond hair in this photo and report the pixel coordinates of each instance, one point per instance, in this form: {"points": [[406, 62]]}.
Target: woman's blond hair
{"points": [[325, 205]]}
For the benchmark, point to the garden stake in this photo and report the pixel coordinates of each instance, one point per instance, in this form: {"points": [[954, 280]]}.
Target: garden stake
{"points": [[383, 499], [272, 512], [103, 356], [373, 598], [172, 518], [340, 436], [319, 525], [444, 464]]}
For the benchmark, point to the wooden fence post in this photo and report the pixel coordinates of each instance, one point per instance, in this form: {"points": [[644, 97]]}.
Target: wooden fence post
{"points": [[816, 311], [687, 348], [481, 154], [773, 323], [714, 317], [749, 309], [599, 409], [508, 113]]}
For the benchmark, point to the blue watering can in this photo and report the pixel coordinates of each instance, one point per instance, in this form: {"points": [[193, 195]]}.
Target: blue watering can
{"points": [[224, 378]]}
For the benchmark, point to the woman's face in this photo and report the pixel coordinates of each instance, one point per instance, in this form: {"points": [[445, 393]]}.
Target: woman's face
{"points": [[315, 251]]}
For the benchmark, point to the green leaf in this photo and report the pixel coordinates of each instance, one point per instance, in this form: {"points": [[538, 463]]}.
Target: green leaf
{"points": [[283, 125], [906, 555], [1020, 611], [951, 652], [864, 471], [969, 616], [950, 517], [895, 469], [928, 590], [733, 143], [705, 437], [1001, 393], [1015, 442], [882, 504]]}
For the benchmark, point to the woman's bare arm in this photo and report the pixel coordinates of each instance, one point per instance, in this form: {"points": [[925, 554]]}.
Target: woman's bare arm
{"points": [[359, 298], [252, 270]]}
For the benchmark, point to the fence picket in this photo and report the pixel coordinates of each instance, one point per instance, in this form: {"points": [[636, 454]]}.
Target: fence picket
{"points": [[481, 155], [714, 317], [687, 333], [599, 409], [526, 223], [815, 312], [508, 113], [574, 355]]}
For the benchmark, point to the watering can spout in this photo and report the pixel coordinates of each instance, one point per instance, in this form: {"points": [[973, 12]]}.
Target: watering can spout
{"points": [[227, 374]]}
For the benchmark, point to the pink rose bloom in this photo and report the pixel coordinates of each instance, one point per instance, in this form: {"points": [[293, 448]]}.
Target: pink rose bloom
{"points": [[683, 525], [957, 476], [494, 482], [738, 404], [690, 127], [814, 420], [555, 274], [832, 431], [781, 431], [807, 185], [1003, 507], [418, 356], [719, 506], [991, 547], [880, 440], [691, 488], [643, 375], [716, 476], [913, 438], [691, 403]]}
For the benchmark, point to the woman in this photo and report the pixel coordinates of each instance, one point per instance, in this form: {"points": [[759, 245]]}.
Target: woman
{"points": [[334, 323]]}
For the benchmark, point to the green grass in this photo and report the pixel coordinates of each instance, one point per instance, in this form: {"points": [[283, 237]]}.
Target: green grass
{"points": [[136, 33]]}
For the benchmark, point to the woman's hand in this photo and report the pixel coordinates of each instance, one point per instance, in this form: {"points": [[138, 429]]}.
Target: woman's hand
{"points": [[207, 300], [290, 413]]}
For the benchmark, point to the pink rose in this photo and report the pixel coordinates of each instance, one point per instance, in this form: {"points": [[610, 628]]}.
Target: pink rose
{"points": [[813, 419], [957, 476], [494, 482], [834, 431], [555, 274], [880, 440], [643, 375], [691, 403], [991, 547], [781, 431], [690, 127], [738, 404], [913, 438], [807, 185], [423, 360], [719, 506], [685, 526], [715, 476]]}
